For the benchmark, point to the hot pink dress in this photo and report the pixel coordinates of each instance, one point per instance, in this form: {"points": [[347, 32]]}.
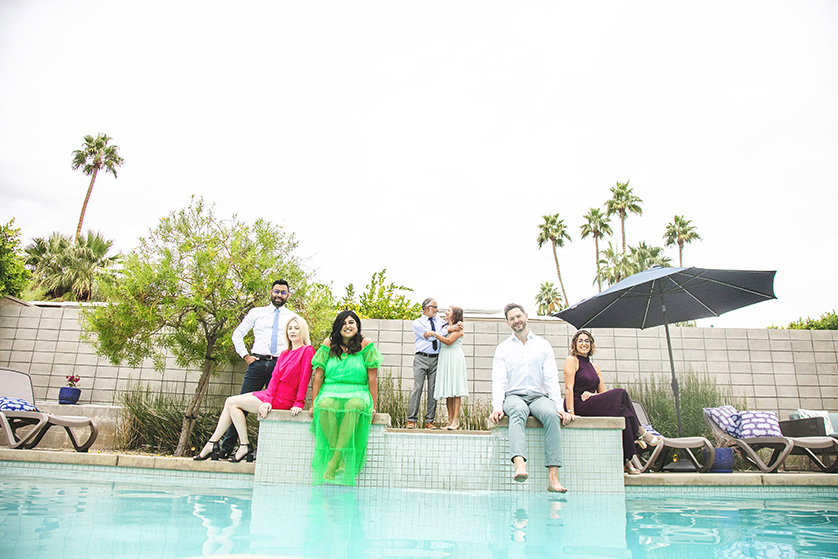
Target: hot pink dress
{"points": [[289, 382]]}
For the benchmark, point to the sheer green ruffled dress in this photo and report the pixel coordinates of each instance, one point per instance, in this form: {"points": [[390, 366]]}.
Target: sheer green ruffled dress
{"points": [[342, 415]]}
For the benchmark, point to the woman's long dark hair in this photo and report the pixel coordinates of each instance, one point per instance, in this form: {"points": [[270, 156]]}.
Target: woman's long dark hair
{"points": [[354, 345]]}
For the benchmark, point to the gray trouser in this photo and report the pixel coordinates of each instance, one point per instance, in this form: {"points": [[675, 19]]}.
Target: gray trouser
{"points": [[423, 367], [520, 406]]}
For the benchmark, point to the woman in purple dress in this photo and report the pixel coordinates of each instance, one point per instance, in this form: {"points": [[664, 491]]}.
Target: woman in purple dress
{"points": [[585, 395]]}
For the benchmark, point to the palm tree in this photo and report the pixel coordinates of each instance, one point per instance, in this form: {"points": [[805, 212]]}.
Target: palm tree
{"points": [[597, 225], [622, 202], [642, 257], [70, 271], [614, 266], [680, 232], [554, 230], [43, 258], [548, 300], [94, 155]]}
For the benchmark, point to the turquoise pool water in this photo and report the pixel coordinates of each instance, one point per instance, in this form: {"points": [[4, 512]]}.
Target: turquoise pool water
{"points": [[43, 518]]}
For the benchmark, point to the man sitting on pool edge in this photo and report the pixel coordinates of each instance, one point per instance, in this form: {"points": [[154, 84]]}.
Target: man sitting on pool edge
{"points": [[525, 381]]}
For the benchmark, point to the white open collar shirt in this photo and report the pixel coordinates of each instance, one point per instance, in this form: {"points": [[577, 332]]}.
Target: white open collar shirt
{"points": [[261, 321], [518, 368]]}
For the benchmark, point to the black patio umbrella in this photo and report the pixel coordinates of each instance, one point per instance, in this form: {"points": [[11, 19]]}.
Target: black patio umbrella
{"points": [[660, 296]]}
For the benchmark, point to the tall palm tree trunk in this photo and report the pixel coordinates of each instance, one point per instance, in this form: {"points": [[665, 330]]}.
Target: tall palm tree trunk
{"points": [[623, 229], [598, 276], [84, 206], [559, 272], [680, 254]]}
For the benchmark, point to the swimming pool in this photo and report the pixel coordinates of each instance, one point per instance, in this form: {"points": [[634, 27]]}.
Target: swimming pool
{"points": [[45, 518]]}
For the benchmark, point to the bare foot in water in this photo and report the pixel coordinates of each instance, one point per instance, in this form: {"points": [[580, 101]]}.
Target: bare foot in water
{"points": [[520, 474], [556, 487], [332, 466], [553, 485]]}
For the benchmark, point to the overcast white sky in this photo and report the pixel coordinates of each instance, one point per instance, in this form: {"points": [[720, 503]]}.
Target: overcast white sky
{"points": [[429, 138]]}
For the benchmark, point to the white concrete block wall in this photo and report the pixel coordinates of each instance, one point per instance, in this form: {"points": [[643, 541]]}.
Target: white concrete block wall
{"points": [[774, 369]]}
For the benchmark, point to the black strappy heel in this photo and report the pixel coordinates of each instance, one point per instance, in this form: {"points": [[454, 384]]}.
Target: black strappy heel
{"points": [[213, 455], [248, 457]]}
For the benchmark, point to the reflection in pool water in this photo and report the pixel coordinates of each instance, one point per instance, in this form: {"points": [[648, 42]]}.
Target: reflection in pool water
{"points": [[48, 518]]}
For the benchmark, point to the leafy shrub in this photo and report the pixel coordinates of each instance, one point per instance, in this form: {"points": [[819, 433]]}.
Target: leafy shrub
{"points": [[827, 321], [381, 300]]}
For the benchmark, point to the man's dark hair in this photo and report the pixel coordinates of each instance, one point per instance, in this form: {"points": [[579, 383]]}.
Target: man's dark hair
{"points": [[280, 282], [511, 306]]}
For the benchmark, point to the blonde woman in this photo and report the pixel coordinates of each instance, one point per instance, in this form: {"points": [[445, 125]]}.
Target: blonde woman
{"points": [[286, 391]]}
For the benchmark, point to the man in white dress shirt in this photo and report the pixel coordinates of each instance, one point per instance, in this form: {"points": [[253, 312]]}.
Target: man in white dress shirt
{"points": [[525, 381], [268, 325]]}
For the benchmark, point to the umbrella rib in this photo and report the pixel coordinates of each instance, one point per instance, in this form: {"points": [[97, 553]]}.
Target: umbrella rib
{"points": [[605, 308], [648, 304], [728, 284]]}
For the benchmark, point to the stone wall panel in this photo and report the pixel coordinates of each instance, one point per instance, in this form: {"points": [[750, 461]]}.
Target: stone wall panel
{"points": [[773, 369]]}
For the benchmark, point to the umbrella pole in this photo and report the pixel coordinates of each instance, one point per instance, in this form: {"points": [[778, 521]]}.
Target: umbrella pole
{"points": [[672, 368]]}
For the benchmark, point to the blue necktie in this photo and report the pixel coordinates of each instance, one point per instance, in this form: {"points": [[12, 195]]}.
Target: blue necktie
{"points": [[274, 331], [433, 342]]}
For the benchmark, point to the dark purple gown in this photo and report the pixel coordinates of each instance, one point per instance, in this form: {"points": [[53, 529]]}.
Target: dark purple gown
{"points": [[611, 403]]}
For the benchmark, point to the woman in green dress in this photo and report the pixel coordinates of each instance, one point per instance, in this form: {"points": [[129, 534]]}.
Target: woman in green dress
{"points": [[345, 392]]}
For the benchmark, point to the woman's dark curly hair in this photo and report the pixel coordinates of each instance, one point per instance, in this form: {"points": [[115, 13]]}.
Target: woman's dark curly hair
{"points": [[354, 345]]}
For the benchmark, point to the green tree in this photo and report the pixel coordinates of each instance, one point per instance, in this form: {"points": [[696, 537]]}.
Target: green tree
{"points": [[95, 154], [186, 287], [680, 232], [613, 266], [597, 225], [827, 321], [13, 275], [381, 300], [642, 257], [622, 202], [554, 231], [548, 300], [68, 271]]}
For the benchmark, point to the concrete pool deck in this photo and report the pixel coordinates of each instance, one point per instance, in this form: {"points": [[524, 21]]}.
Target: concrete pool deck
{"points": [[172, 464]]}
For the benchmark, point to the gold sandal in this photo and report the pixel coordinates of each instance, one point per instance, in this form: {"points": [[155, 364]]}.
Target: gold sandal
{"points": [[630, 469]]}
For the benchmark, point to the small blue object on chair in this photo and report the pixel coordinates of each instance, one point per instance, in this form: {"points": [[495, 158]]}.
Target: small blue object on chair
{"points": [[21, 413]]}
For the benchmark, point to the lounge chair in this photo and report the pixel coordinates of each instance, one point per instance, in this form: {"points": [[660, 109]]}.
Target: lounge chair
{"points": [[810, 426], [660, 453], [15, 384], [781, 447]]}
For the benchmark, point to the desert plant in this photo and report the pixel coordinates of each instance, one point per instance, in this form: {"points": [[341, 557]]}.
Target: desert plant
{"points": [[394, 401], [697, 391], [152, 422]]}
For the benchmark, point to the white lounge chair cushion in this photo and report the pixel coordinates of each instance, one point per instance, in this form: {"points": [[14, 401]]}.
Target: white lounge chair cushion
{"points": [[751, 424], [723, 416]]}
